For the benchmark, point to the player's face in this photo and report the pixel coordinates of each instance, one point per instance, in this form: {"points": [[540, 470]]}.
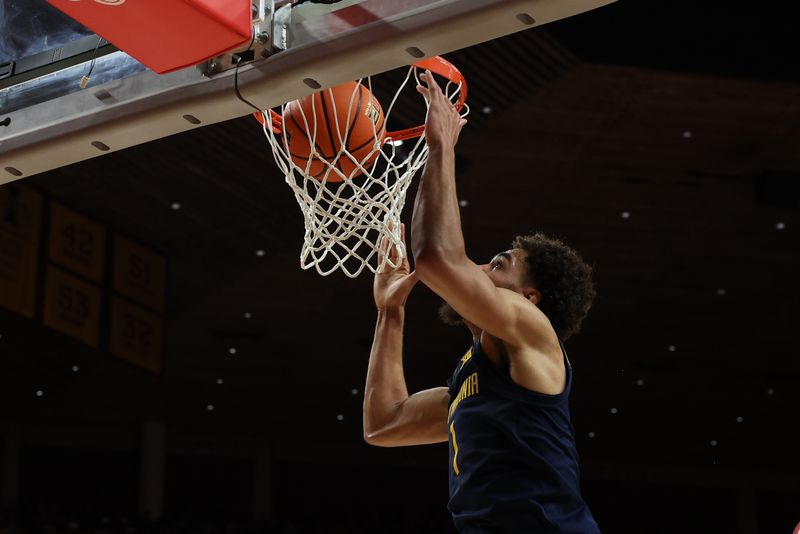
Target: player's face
{"points": [[509, 270]]}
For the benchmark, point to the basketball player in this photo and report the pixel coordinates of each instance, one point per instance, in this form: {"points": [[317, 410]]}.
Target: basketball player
{"points": [[513, 464]]}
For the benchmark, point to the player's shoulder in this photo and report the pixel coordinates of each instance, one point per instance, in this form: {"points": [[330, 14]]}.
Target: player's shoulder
{"points": [[539, 368], [534, 330]]}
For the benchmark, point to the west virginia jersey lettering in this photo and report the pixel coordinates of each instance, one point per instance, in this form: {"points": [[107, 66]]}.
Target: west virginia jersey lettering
{"points": [[468, 388]]}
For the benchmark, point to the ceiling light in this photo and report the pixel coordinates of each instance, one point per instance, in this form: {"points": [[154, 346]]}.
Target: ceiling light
{"points": [[463, 203], [613, 410], [640, 382], [260, 252], [354, 391], [210, 407], [486, 110], [220, 381], [339, 417], [625, 215], [591, 434], [248, 315], [721, 292], [175, 205], [739, 419], [671, 348], [39, 392], [770, 391], [75, 369], [687, 134], [780, 226], [232, 350], [713, 443]]}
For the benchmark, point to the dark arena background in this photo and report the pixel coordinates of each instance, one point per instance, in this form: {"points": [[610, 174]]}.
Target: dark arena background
{"points": [[220, 388]]}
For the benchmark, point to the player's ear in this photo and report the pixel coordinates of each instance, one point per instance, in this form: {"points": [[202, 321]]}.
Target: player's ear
{"points": [[532, 294]]}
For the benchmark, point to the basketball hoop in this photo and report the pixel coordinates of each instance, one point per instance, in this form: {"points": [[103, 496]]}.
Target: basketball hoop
{"points": [[352, 199]]}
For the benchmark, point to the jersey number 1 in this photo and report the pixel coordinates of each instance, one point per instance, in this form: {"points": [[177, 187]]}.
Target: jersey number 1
{"points": [[455, 448]]}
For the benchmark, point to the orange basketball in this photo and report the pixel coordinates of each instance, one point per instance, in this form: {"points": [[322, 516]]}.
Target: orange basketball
{"points": [[348, 116]]}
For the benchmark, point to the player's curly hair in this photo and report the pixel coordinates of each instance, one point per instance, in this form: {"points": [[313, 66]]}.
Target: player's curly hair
{"points": [[563, 279]]}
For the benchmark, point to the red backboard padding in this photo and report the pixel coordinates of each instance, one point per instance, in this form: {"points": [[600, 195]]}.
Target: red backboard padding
{"points": [[165, 35]]}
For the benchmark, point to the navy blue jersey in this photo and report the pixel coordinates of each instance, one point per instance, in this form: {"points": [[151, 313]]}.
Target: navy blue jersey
{"points": [[513, 461]]}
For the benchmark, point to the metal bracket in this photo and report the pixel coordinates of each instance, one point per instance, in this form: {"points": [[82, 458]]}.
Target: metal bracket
{"points": [[272, 29], [261, 43]]}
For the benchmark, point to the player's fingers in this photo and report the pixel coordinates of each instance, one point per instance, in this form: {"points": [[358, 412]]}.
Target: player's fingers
{"points": [[394, 254], [424, 92], [427, 82], [382, 249], [391, 248], [432, 83], [424, 76]]}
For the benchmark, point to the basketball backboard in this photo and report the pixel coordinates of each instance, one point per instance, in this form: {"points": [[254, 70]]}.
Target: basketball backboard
{"points": [[51, 121]]}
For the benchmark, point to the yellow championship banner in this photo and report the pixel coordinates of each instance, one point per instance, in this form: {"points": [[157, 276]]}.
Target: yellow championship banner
{"points": [[77, 242], [139, 273], [20, 222], [136, 335], [72, 306]]}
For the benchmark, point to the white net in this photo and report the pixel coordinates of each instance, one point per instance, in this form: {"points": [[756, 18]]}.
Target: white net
{"points": [[349, 201]]}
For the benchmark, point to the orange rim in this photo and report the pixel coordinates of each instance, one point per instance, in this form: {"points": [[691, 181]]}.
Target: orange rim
{"points": [[436, 64]]}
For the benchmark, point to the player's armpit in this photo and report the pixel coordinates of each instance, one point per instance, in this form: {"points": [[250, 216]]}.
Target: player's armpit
{"points": [[503, 313], [419, 420]]}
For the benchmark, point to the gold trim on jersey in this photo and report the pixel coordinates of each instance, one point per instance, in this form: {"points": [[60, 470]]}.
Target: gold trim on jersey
{"points": [[465, 358]]}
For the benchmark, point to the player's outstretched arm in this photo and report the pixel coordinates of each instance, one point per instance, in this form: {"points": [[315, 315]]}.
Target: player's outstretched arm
{"points": [[441, 260], [391, 417]]}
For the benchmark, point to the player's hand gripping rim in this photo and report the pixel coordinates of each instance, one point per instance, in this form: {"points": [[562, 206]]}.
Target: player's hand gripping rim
{"points": [[443, 124]]}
